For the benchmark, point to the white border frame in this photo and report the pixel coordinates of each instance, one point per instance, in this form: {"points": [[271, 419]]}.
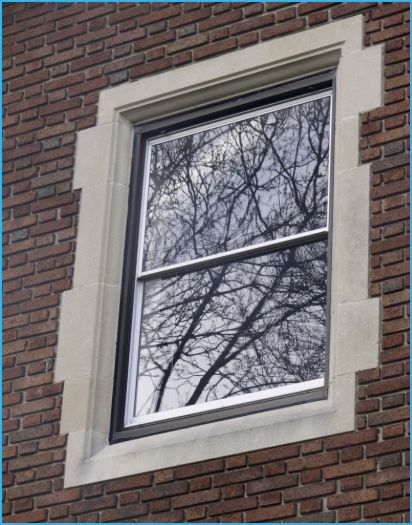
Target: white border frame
{"points": [[131, 419], [89, 312]]}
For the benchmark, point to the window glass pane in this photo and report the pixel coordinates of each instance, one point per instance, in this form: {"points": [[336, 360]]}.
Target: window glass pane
{"points": [[250, 181], [237, 328]]}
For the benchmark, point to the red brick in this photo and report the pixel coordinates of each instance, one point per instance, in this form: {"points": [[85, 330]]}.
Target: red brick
{"points": [[388, 9], [34, 55], [52, 442], [317, 18], [348, 469], [309, 476], [283, 28], [233, 491], [196, 498], [386, 507], [235, 461], [69, 32], [50, 471], [128, 497], [214, 49], [252, 23], [310, 491], [89, 86], [199, 469], [163, 476], [35, 78], [133, 12], [30, 489], [352, 498], [28, 517], [165, 490], [151, 67], [27, 462], [105, 502], [21, 271], [175, 516], [272, 469], [220, 20], [387, 34], [129, 36], [306, 8], [317, 460], [351, 438], [187, 43], [232, 505], [386, 447], [92, 60], [162, 14], [125, 513], [271, 513], [134, 482], [264, 456], [32, 407], [29, 382], [159, 505], [273, 483], [237, 476], [190, 18], [195, 513], [390, 385], [155, 40], [392, 431]]}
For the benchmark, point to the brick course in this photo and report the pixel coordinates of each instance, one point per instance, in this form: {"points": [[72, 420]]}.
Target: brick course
{"points": [[58, 57]]}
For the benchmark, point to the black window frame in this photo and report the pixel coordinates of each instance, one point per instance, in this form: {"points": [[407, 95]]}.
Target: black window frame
{"points": [[143, 133]]}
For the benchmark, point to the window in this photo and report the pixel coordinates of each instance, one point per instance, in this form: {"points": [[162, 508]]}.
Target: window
{"points": [[90, 328], [225, 282]]}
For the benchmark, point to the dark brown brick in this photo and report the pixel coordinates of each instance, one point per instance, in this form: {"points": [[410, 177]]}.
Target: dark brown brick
{"points": [[199, 469], [273, 483], [196, 498], [28, 517], [56, 498], [131, 511], [150, 68], [271, 513], [237, 476], [90, 505], [283, 28], [165, 490], [134, 482], [310, 491], [29, 489], [232, 505], [352, 498], [348, 469], [350, 439], [386, 507], [264, 456]]}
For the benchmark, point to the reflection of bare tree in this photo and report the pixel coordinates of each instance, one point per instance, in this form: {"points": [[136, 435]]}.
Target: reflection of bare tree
{"points": [[246, 182], [241, 327], [248, 325]]}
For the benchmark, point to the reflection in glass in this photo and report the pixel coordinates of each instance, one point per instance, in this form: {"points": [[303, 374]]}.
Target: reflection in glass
{"points": [[238, 184], [241, 327]]}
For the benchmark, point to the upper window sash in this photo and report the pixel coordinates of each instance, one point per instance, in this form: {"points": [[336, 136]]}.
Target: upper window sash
{"points": [[280, 113]]}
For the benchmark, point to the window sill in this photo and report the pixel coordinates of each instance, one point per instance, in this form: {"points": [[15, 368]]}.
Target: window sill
{"points": [[213, 440]]}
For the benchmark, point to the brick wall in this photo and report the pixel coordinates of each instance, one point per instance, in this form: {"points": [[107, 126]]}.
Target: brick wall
{"points": [[57, 59]]}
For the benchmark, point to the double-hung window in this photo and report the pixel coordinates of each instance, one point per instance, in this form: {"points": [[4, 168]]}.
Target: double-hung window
{"points": [[225, 288]]}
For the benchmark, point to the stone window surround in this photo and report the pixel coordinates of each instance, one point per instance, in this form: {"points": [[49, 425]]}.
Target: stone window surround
{"points": [[89, 311]]}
